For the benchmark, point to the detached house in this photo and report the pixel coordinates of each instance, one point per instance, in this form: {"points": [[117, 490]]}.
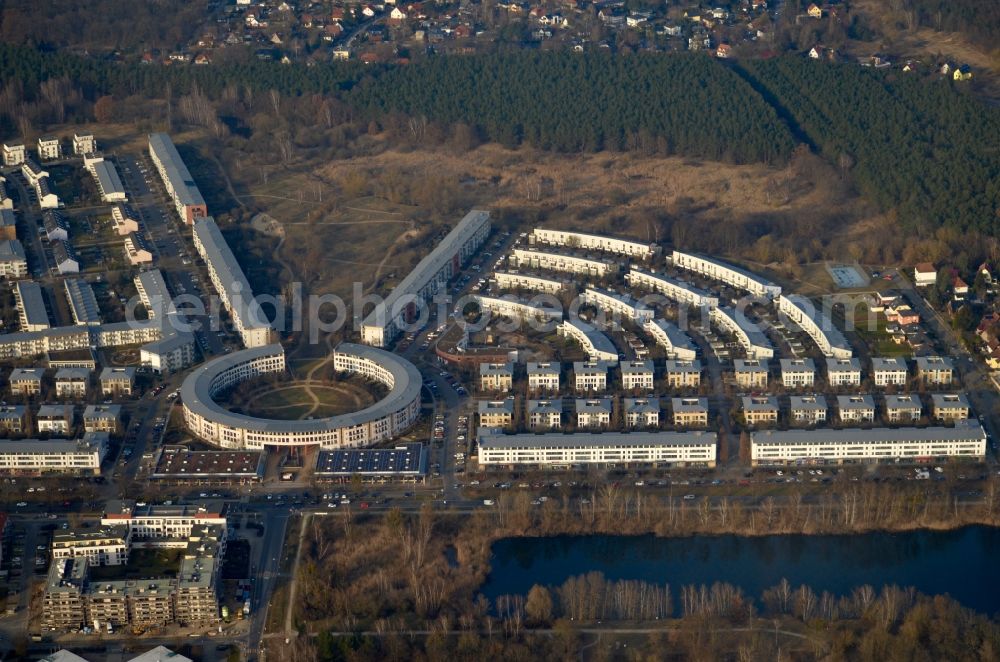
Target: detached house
{"points": [[856, 408], [750, 373], [796, 373], [904, 408], [807, 409], [496, 376], [593, 413], [544, 414], [690, 412], [496, 413], [637, 375], [760, 409], [924, 274], [641, 412], [950, 406]]}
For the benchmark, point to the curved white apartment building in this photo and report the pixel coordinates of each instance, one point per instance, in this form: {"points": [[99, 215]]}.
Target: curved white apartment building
{"points": [[748, 334], [819, 326], [594, 242], [727, 273], [509, 306], [597, 345], [381, 421], [618, 304], [676, 343], [675, 290], [510, 280]]}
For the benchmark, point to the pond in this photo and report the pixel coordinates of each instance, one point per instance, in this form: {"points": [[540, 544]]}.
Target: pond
{"points": [[961, 563]]}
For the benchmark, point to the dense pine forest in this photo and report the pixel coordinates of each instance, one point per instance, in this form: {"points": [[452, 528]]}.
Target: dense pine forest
{"points": [[977, 20], [568, 102], [913, 144], [919, 145]]}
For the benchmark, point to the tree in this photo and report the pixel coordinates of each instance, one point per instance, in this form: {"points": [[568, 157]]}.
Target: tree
{"points": [[104, 109], [538, 607]]}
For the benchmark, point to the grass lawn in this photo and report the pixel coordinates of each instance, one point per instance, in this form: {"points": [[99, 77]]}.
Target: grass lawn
{"points": [[880, 343]]}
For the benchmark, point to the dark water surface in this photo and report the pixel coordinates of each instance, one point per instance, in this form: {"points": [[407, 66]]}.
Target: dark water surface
{"points": [[964, 563]]}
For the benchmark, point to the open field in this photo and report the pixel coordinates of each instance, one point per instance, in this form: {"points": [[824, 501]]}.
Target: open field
{"points": [[369, 218]]}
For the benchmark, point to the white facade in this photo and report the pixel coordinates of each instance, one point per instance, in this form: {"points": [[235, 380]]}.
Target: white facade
{"points": [[886, 371], [858, 445], [430, 276], [109, 182], [641, 412], [522, 257], [594, 242], [31, 311], [637, 375], [514, 281], [905, 408], [54, 419], [155, 521], [382, 421], [13, 155], [593, 413], [508, 306], [675, 290], [72, 382], [49, 149], [177, 180], [747, 334], [843, 372], [231, 284], [596, 345], [13, 261], [543, 376], [726, 273], [856, 408], [675, 343], [605, 448], [924, 275], [84, 144], [107, 546], [796, 373], [818, 326], [807, 409], [590, 376], [618, 304], [82, 456], [544, 414]]}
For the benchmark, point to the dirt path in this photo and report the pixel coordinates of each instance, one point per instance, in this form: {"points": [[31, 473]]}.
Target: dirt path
{"points": [[403, 238], [306, 386]]}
